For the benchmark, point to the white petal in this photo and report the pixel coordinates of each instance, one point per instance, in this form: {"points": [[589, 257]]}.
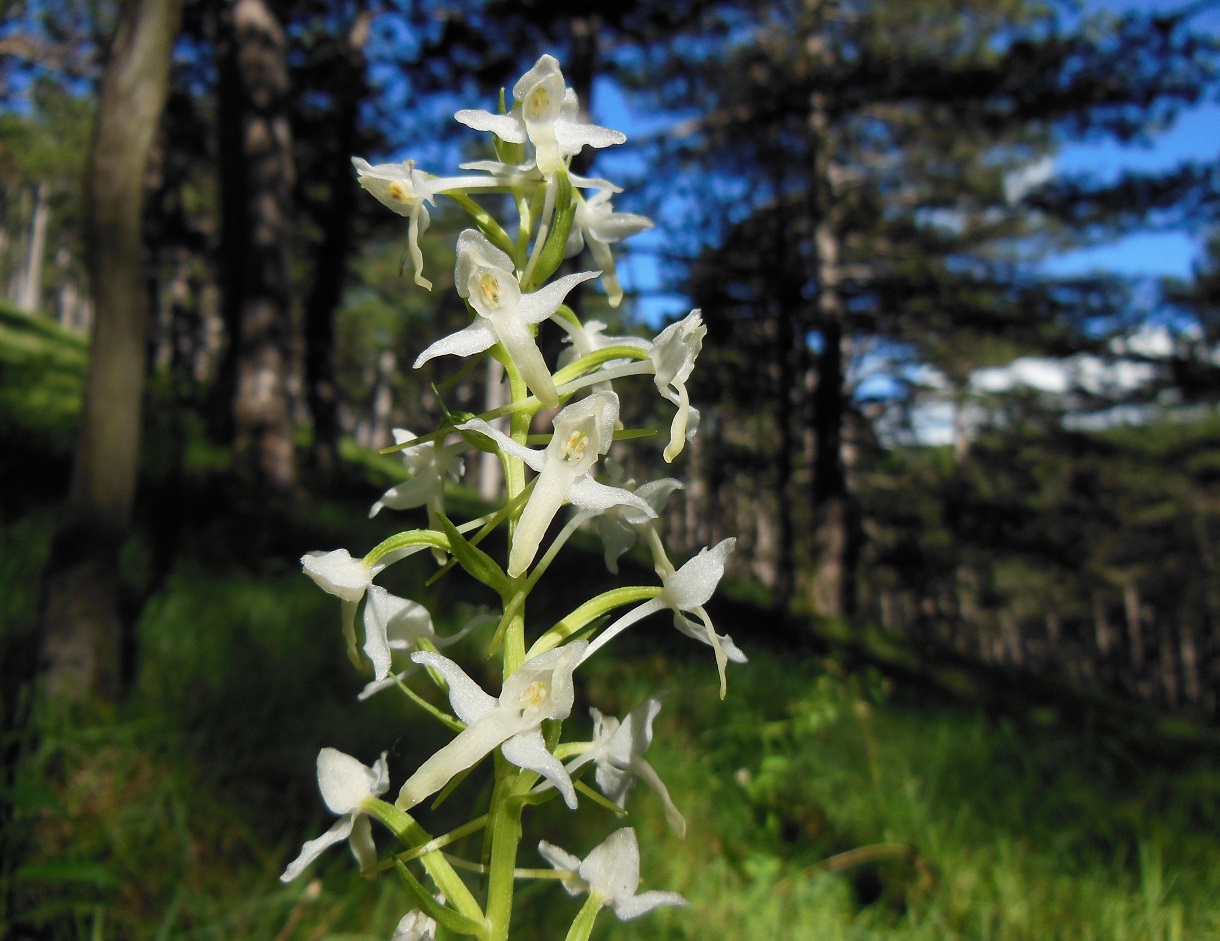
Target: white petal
{"points": [[361, 842], [314, 848], [565, 862], [535, 460], [472, 744], [695, 582], [465, 695], [539, 305], [338, 573], [415, 926], [637, 905], [466, 342], [588, 494], [507, 127], [528, 750], [612, 869], [345, 782]]}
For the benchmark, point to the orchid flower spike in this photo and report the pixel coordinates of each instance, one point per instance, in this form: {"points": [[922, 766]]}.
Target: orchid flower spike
{"points": [[484, 276], [405, 190], [687, 590], [598, 226], [611, 874], [618, 750], [540, 689], [546, 112], [673, 356], [584, 431], [346, 786]]}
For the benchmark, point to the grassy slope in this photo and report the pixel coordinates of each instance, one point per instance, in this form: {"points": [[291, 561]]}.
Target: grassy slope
{"points": [[824, 800]]}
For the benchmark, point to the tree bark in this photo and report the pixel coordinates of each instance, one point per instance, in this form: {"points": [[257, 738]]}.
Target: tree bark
{"points": [[835, 517], [334, 250], [31, 277], [256, 179], [83, 629]]}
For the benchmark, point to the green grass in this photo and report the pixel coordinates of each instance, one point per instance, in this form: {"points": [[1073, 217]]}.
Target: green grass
{"points": [[825, 800]]}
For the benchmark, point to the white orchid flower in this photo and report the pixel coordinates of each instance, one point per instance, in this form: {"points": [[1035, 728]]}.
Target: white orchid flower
{"points": [[397, 625], [599, 226], [337, 573], [546, 113], [584, 431], [673, 356], [405, 190], [611, 874], [415, 926], [618, 750], [484, 276], [687, 590], [345, 784], [429, 465], [392, 623], [540, 689], [620, 525]]}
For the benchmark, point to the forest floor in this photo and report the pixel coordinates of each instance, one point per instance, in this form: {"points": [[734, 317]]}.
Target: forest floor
{"points": [[846, 788]]}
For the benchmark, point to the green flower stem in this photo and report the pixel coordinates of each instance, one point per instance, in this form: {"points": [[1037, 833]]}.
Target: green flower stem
{"points": [[485, 221], [582, 927], [435, 844], [590, 611], [410, 833], [504, 831], [414, 539], [544, 225]]}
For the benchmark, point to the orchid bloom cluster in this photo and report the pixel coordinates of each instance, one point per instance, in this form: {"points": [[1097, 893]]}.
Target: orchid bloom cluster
{"points": [[506, 276]]}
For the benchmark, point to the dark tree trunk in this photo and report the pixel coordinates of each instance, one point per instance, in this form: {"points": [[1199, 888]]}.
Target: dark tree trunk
{"points": [[331, 261], [256, 180], [83, 625]]}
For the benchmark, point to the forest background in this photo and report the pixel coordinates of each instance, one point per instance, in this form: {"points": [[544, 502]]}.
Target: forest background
{"points": [[862, 197]]}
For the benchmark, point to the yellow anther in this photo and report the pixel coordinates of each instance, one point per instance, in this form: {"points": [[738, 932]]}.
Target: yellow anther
{"points": [[489, 285], [396, 191], [535, 694], [574, 448], [537, 102]]}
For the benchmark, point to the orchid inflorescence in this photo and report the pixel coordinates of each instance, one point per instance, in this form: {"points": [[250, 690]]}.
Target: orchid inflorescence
{"points": [[506, 283]]}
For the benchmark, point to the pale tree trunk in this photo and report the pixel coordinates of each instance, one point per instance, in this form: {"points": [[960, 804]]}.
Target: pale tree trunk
{"points": [[256, 190], [83, 627], [31, 277]]}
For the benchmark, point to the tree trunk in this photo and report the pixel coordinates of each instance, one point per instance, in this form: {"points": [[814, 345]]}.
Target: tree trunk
{"points": [[834, 516], [330, 262], [256, 174], [31, 277], [83, 627]]}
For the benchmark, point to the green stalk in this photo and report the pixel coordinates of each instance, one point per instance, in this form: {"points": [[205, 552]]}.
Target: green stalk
{"points": [[504, 830]]}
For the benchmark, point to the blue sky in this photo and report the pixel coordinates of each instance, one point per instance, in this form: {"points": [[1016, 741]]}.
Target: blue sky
{"points": [[1194, 136]]}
